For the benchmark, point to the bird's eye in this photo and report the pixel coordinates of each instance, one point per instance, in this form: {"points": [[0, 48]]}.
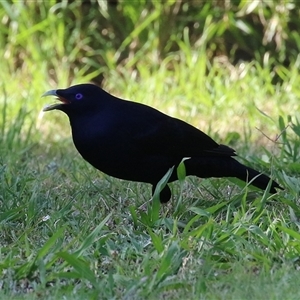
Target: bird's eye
{"points": [[78, 96]]}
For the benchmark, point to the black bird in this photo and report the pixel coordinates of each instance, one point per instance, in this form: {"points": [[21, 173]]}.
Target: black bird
{"points": [[136, 142]]}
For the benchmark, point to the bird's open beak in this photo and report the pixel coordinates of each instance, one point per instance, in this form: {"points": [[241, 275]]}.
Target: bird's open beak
{"points": [[54, 106]]}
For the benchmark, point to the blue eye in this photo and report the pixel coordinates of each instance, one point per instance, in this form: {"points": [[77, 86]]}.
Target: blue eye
{"points": [[78, 96]]}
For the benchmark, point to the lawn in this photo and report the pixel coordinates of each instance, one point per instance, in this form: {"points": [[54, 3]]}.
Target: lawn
{"points": [[69, 231]]}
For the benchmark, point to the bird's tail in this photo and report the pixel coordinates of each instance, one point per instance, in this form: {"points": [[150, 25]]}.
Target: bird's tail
{"points": [[229, 167], [256, 178]]}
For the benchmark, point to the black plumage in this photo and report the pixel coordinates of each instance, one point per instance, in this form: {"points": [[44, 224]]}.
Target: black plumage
{"points": [[136, 142]]}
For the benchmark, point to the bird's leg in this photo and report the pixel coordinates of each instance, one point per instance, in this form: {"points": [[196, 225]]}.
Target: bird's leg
{"points": [[165, 194]]}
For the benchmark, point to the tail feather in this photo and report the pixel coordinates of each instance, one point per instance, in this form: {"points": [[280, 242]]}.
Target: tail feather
{"points": [[229, 167], [256, 178]]}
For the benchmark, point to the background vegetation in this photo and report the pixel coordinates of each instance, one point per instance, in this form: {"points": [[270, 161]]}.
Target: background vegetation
{"points": [[229, 68]]}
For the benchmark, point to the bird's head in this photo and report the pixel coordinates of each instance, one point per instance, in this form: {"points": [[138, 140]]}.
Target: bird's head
{"points": [[77, 98]]}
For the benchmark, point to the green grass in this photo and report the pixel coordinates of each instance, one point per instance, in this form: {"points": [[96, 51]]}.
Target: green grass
{"points": [[69, 231]]}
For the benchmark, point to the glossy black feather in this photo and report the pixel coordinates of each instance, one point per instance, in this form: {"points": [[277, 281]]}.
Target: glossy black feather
{"points": [[136, 142]]}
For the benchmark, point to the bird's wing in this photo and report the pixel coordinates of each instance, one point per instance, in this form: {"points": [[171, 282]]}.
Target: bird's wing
{"points": [[160, 134]]}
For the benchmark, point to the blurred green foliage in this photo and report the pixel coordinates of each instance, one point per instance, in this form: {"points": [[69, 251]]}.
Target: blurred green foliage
{"points": [[98, 34]]}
